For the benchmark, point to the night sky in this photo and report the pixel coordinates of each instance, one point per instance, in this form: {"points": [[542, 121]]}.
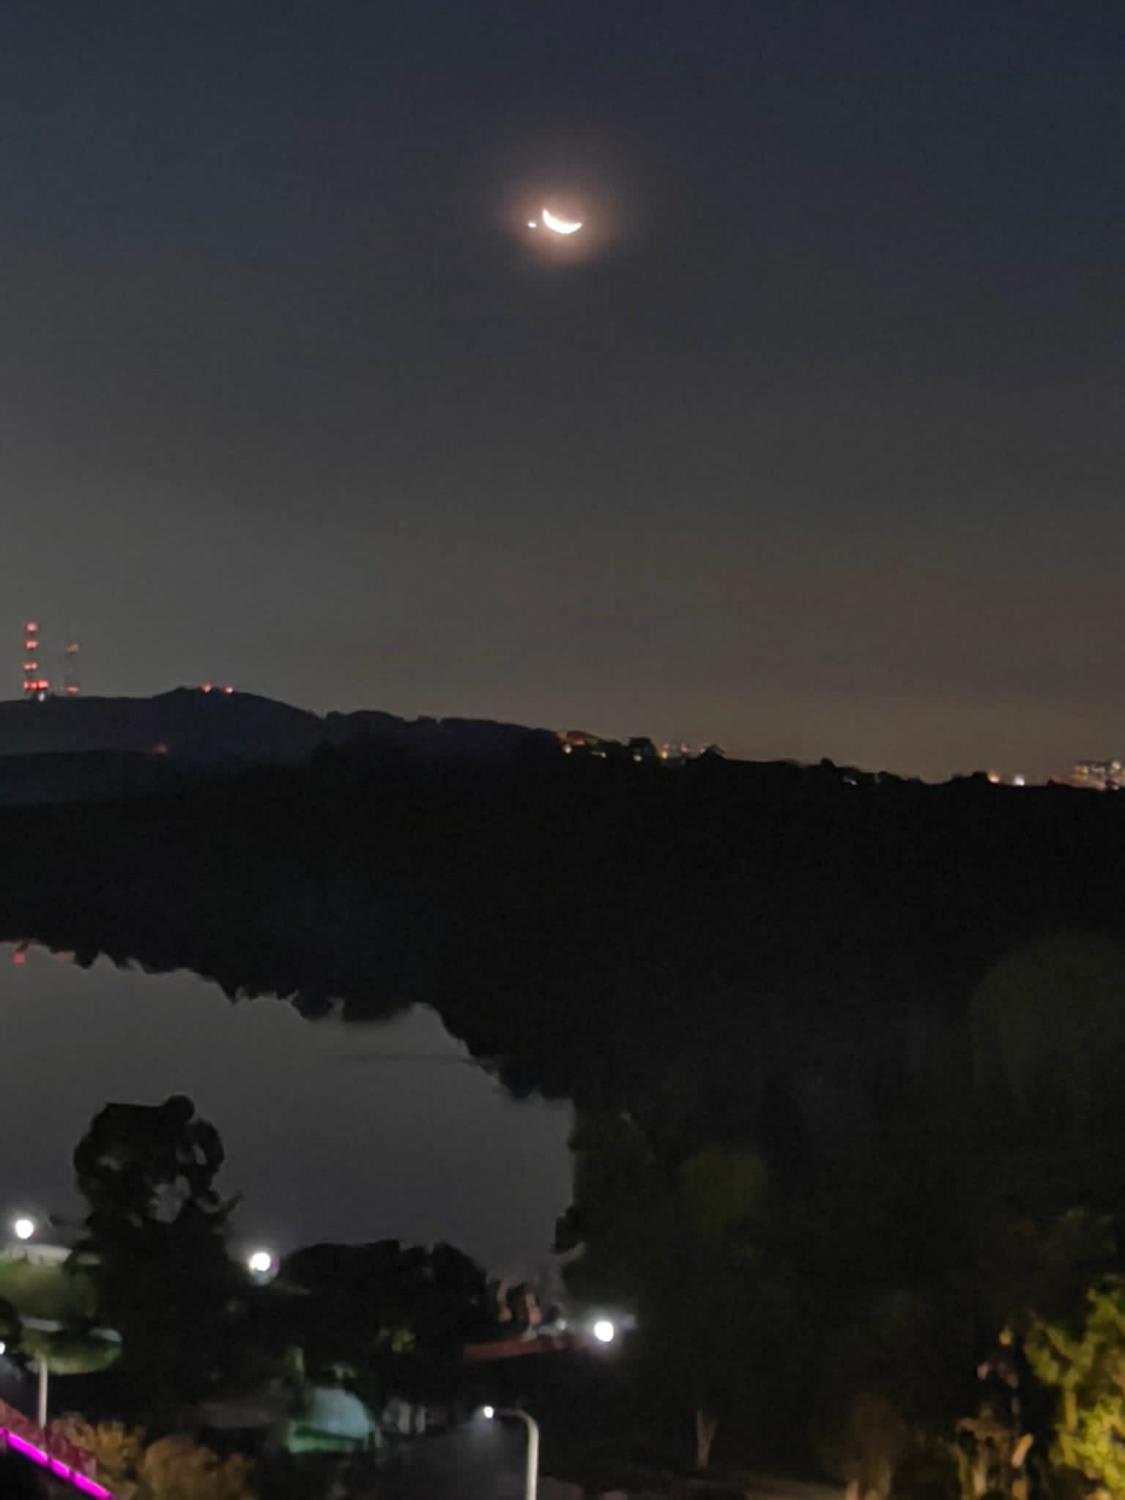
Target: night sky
{"points": [[816, 450]]}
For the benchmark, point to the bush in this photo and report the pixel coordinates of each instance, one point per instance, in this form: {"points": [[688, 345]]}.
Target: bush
{"points": [[176, 1468]]}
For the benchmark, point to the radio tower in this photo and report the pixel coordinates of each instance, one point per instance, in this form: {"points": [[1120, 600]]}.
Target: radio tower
{"points": [[71, 684], [34, 686]]}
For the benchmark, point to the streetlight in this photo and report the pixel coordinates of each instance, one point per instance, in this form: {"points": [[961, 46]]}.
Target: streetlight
{"points": [[604, 1330], [531, 1482], [260, 1264], [23, 1228]]}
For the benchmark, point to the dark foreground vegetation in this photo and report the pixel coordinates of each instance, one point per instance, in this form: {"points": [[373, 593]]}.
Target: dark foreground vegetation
{"points": [[846, 1054]]}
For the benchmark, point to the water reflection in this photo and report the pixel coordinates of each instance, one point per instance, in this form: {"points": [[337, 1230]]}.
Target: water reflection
{"points": [[332, 1131]]}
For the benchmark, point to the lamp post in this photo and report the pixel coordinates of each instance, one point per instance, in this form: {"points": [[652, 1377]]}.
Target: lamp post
{"points": [[89, 1357], [531, 1482]]}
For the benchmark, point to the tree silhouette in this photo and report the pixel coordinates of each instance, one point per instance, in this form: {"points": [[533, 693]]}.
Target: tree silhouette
{"points": [[674, 1243], [155, 1236]]}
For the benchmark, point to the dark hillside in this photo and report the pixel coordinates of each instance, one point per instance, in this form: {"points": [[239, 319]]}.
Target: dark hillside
{"points": [[908, 1002]]}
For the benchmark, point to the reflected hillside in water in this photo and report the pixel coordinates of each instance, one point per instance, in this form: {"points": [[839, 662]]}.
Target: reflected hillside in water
{"points": [[359, 1132], [612, 933]]}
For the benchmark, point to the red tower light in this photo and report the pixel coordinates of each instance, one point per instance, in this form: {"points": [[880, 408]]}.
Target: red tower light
{"points": [[29, 681]]}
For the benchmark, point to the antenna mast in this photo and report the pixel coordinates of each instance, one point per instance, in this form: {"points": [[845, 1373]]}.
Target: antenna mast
{"points": [[34, 685], [72, 685]]}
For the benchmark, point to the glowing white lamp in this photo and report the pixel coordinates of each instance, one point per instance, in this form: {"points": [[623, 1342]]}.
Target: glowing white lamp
{"points": [[260, 1262]]}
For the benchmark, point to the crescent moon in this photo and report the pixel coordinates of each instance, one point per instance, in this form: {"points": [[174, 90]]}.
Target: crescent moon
{"points": [[560, 226]]}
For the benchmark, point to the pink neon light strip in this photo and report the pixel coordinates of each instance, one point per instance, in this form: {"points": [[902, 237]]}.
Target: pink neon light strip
{"points": [[56, 1465]]}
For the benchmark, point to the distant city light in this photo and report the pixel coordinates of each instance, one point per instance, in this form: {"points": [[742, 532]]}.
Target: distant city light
{"points": [[604, 1331], [1019, 780], [1097, 775], [23, 1228]]}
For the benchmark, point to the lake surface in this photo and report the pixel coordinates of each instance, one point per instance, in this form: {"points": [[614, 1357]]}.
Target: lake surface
{"points": [[332, 1132]]}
